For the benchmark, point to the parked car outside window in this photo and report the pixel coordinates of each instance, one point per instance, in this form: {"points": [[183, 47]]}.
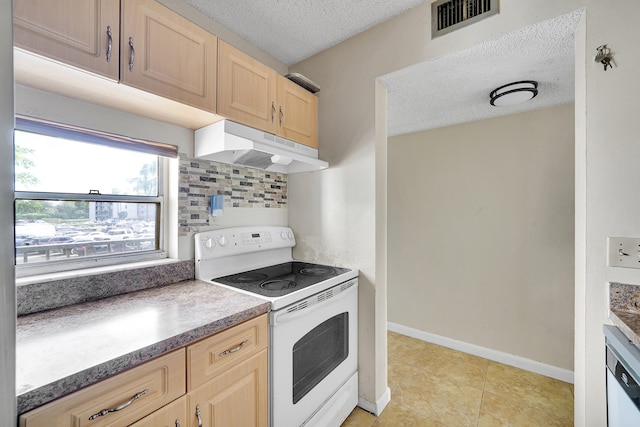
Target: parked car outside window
{"points": [[73, 206]]}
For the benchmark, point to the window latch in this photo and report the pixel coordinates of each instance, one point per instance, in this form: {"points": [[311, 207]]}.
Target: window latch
{"points": [[96, 192]]}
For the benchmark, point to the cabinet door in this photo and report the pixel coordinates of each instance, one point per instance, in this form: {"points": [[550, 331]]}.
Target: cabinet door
{"points": [[297, 113], [172, 415], [82, 33], [237, 397], [136, 392], [165, 54], [246, 89]]}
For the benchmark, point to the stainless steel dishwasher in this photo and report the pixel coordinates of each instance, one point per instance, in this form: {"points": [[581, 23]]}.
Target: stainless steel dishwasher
{"points": [[623, 391]]}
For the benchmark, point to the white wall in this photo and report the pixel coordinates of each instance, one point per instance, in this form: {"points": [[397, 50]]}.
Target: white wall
{"points": [[336, 213], [607, 183], [7, 286], [481, 233]]}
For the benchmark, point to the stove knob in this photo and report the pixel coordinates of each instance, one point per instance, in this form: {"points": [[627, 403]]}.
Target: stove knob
{"points": [[223, 241], [290, 234], [283, 234], [209, 243]]}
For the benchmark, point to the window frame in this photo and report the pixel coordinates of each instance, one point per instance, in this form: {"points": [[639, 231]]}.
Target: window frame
{"points": [[163, 153]]}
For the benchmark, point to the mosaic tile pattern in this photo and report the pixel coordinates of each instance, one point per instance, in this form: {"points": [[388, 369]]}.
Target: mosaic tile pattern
{"points": [[241, 187]]}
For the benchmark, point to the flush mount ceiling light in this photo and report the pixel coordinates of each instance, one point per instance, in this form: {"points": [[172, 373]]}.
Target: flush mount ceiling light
{"points": [[514, 93]]}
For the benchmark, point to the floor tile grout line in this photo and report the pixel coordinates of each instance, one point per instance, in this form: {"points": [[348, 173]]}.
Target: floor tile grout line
{"points": [[484, 386]]}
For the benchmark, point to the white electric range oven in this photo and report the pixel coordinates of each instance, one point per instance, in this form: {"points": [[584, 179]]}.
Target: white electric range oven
{"points": [[313, 323]]}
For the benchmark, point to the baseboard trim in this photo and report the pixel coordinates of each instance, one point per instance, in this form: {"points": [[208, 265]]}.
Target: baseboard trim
{"points": [[376, 408], [487, 353]]}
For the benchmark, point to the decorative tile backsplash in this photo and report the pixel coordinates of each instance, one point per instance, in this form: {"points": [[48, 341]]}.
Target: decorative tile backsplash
{"points": [[241, 187]]}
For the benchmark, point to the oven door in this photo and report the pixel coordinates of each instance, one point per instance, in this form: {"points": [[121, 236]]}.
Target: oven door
{"points": [[314, 351]]}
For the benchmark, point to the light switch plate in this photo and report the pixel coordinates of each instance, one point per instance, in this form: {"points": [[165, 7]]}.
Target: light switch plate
{"points": [[624, 252]]}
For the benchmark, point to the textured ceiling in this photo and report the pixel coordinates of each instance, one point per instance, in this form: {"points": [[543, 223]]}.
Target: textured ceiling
{"points": [[291, 31], [455, 88], [447, 90]]}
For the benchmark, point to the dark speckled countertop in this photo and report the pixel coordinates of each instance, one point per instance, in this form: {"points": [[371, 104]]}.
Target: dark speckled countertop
{"points": [[624, 310], [62, 350]]}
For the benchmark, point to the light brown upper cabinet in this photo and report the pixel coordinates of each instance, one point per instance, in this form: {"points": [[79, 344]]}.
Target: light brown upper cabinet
{"points": [[251, 93], [246, 89], [140, 43], [297, 113], [82, 33], [165, 54]]}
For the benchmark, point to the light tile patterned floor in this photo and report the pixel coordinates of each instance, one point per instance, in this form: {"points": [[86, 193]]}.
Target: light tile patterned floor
{"points": [[436, 386]]}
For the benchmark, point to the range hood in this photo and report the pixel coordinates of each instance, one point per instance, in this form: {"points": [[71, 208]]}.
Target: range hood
{"points": [[231, 142]]}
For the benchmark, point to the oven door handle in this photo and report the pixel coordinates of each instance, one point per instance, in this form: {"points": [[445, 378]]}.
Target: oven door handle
{"points": [[288, 315]]}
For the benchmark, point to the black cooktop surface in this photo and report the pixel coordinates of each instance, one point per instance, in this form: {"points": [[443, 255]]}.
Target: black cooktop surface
{"points": [[281, 279]]}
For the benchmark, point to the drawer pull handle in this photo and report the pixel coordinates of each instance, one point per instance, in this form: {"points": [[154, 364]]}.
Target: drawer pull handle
{"points": [[132, 53], [233, 350], [177, 422], [121, 407], [109, 43], [198, 415]]}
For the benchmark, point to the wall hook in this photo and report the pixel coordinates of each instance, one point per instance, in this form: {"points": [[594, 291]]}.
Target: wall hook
{"points": [[604, 56]]}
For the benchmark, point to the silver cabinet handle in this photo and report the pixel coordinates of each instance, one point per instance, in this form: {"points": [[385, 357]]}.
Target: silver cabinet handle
{"points": [[281, 116], [109, 43], [273, 111], [177, 422], [233, 350], [198, 415], [121, 407], [132, 54]]}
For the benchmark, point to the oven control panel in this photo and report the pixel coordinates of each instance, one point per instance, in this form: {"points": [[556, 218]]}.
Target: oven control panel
{"points": [[256, 238], [241, 240]]}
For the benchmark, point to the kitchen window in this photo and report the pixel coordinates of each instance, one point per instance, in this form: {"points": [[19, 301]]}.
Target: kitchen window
{"points": [[85, 198]]}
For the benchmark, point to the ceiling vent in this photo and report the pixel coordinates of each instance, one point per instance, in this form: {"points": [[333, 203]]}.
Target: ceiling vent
{"points": [[450, 15]]}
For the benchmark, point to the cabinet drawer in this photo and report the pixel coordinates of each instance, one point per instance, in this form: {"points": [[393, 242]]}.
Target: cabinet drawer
{"points": [[172, 415], [158, 382], [212, 356]]}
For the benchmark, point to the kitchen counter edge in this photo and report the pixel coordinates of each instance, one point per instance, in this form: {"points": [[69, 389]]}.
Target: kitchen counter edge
{"points": [[185, 312]]}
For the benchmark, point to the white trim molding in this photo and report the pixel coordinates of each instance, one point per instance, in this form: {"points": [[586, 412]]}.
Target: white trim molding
{"points": [[487, 353], [376, 408]]}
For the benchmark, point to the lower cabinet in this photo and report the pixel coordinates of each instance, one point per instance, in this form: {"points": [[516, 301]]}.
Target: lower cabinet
{"points": [[227, 377], [172, 415], [235, 398], [220, 380], [119, 400]]}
